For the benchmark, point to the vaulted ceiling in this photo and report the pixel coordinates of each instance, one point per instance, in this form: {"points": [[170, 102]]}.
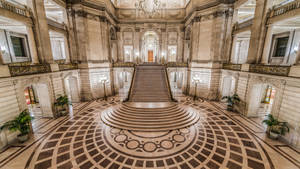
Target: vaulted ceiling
{"points": [[170, 4]]}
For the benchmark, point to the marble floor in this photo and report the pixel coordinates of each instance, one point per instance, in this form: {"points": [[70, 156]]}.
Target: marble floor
{"points": [[217, 139]]}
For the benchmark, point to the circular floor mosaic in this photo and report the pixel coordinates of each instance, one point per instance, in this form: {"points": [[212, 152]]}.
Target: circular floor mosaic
{"points": [[215, 141]]}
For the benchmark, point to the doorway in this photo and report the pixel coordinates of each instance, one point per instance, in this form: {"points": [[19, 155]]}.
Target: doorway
{"points": [[262, 99], [150, 55]]}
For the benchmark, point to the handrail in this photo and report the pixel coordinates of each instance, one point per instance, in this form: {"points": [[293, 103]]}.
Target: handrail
{"points": [[168, 83], [131, 85]]}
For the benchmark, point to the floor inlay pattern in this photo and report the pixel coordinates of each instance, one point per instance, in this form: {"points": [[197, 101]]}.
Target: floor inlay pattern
{"points": [[214, 141]]}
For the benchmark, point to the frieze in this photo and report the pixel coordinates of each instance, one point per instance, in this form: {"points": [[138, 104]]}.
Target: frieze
{"points": [[68, 66], [232, 66], [270, 69], [176, 64], [212, 15], [29, 69]]}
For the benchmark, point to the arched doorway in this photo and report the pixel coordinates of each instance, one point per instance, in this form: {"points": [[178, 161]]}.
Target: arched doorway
{"points": [[228, 86], [38, 100], [150, 47], [72, 90], [262, 98]]}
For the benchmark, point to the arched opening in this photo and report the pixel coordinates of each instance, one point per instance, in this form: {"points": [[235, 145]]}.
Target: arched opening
{"points": [[38, 102], [113, 45], [71, 86], [150, 47], [228, 86], [261, 100]]}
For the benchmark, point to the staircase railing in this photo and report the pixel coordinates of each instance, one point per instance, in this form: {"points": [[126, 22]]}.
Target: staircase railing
{"points": [[168, 85], [131, 85]]}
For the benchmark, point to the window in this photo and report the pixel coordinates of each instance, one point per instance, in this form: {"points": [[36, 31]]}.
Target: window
{"points": [[281, 45], [18, 44]]}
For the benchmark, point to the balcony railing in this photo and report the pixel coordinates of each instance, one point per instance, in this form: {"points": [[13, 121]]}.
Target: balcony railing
{"points": [[67, 66], [232, 66], [270, 69], [285, 8], [121, 64], [20, 70], [176, 64], [18, 9]]}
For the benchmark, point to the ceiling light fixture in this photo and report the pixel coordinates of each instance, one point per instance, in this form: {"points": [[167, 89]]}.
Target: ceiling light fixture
{"points": [[149, 7]]}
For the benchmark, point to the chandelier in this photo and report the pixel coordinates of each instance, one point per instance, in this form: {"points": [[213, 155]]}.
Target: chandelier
{"points": [[149, 7]]}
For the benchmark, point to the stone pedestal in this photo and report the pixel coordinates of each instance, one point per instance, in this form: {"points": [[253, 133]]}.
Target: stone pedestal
{"points": [[295, 71], [4, 71], [245, 67]]}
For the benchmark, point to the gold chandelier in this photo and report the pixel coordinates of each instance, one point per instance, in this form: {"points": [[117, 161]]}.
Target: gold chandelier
{"points": [[149, 7]]}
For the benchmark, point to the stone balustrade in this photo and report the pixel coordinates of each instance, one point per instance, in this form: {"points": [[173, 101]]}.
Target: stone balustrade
{"points": [[263, 69], [18, 9], [230, 66], [126, 64], [176, 64], [67, 66], [20, 70], [270, 69], [285, 8]]}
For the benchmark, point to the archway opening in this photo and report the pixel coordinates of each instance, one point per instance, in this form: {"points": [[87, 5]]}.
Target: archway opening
{"points": [[261, 100], [150, 47], [38, 102], [228, 87]]}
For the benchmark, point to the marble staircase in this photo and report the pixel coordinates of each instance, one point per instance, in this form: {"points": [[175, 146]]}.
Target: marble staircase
{"points": [[130, 117], [150, 84]]}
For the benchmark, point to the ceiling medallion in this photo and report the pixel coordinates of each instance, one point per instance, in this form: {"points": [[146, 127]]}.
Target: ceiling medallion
{"points": [[149, 7]]}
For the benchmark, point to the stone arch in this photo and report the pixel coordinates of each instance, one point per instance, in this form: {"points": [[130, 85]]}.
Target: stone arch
{"points": [[72, 89], [253, 93], [44, 90], [155, 47]]}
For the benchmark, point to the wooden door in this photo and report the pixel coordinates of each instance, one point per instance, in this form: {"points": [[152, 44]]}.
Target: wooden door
{"points": [[150, 56]]}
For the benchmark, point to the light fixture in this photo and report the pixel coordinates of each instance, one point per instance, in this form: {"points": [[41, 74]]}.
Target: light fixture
{"points": [[149, 7]]}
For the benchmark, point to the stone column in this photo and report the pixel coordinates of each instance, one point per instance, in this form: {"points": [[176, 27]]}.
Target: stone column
{"points": [[258, 30], [180, 47], [195, 38], [71, 37], [66, 45], [105, 39], [136, 46], [1, 59], [32, 45], [42, 31]]}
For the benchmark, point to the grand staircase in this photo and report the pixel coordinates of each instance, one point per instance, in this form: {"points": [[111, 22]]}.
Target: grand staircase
{"points": [[131, 117], [150, 84], [150, 108]]}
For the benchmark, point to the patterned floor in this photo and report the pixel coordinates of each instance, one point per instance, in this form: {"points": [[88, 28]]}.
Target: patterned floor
{"points": [[84, 141]]}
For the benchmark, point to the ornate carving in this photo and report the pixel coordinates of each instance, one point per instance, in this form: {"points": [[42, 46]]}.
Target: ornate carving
{"points": [[270, 69], [285, 8], [232, 66], [176, 64], [68, 66], [122, 64], [29, 69]]}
